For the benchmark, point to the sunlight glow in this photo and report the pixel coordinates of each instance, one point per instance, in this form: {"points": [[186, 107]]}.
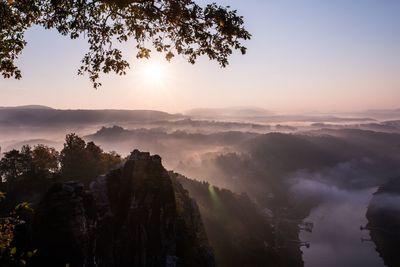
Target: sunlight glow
{"points": [[154, 73]]}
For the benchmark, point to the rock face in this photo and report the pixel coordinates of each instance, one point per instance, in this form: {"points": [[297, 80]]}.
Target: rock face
{"points": [[383, 216], [64, 226], [129, 217]]}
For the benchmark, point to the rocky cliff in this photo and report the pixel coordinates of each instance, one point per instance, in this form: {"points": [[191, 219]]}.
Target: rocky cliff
{"points": [[383, 216], [132, 216]]}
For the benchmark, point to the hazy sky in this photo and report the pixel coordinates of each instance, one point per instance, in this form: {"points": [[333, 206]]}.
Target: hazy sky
{"points": [[304, 55]]}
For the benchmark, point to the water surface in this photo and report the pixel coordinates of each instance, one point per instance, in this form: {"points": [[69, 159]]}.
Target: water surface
{"points": [[336, 237]]}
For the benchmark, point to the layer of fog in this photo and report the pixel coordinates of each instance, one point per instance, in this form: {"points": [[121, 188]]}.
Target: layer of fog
{"points": [[341, 168], [336, 237]]}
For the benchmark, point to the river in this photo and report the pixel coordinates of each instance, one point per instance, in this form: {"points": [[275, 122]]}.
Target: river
{"points": [[336, 237]]}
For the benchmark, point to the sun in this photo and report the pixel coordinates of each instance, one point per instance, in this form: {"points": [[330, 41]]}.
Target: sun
{"points": [[154, 73]]}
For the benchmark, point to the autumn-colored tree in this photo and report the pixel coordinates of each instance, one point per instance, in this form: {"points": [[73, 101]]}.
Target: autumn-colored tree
{"points": [[10, 255]]}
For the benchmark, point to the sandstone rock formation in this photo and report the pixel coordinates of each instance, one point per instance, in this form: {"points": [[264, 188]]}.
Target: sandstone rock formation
{"points": [[132, 216]]}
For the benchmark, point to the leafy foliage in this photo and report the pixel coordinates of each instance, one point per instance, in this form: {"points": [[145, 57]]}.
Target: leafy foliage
{"points": [[168, 26], [45, 158], [238, 231], [27, 173], [10, 255], [15, 18], [85, 162], [19, 164], [78, 160], [15, 163]]}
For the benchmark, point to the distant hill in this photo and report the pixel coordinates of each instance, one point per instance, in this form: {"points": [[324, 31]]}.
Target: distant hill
{"points": [[383, 114], [253, 114], [240, 112], [36, 116], [26, 107], [31, 142]]}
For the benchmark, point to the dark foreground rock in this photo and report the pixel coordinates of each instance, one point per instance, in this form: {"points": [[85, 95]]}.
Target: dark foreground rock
{"points": [[383, 216], [129, 217]]}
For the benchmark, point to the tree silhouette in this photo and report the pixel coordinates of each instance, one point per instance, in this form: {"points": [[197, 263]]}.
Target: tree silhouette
{"points": [[167, 26], [85, 161], [45, 159], [10, 165], [73, 158], [16, 164]]}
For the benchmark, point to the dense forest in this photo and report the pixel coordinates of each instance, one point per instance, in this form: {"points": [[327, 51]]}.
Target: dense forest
{"points": [[43, 190]]}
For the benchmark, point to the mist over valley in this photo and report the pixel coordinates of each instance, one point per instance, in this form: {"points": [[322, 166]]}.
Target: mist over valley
{"points": [[297, 172]]}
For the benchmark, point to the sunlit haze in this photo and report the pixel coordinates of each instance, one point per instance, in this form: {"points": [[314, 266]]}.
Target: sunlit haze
{"points": [[288, 157], [154, 74], [304, 55]]}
